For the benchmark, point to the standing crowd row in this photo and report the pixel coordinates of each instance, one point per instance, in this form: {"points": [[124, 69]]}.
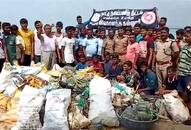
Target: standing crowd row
{"points": [[149, 58]]}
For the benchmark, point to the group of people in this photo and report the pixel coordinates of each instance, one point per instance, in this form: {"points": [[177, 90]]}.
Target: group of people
{"points": [[150, 59]]}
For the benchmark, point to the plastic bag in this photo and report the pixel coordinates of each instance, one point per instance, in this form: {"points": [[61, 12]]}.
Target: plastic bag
{"points": [[76, 119], [101, 109], [176, 109], [3, 86], [30, 104], [10, 90], [57, 102]]}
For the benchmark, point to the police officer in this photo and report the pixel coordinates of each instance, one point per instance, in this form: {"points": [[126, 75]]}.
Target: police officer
{"points": [[166, 50]]}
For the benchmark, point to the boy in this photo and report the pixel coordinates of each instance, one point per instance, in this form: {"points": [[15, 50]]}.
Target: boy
{"points": [[148, 80], [114, 68], [9, 43], [133, 50], [28, 38], [95, 63], [107, 62], [58, 36], [82, 64], [68, 47], [171, 81], [180, 38], [37, 43], [19, 44], [130, 74]]}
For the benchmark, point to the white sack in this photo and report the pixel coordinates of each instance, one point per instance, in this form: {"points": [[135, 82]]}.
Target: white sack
{"points": [[101, 109], [30, 104], [176, 109], [57, 103]]}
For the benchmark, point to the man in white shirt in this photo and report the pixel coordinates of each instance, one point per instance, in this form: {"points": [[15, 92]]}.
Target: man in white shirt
{"points": [[68, 46], [48, 46], [37, 43]]}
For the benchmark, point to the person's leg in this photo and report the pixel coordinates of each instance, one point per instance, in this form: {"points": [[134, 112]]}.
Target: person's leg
{"points": [[159, 76], [1, 63], [45, 58], [164, 72], [37, 59], [27, 60]]}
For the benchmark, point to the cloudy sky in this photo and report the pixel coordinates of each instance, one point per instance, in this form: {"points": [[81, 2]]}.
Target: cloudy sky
{"points": [[50, 11]]}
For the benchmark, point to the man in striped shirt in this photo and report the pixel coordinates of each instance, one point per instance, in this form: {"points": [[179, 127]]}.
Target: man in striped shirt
{"points": [[184, 68]]}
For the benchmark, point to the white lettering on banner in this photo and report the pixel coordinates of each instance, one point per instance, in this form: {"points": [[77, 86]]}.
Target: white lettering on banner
{"points": [[124, 17]]}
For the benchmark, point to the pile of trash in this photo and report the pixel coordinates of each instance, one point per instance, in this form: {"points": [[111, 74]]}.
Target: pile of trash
{"points": [[64, 98]]}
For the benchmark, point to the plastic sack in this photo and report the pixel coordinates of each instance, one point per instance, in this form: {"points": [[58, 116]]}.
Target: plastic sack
{"points": [[57, 102], [175, 108], [30, 104], [10, 116], [3, 86], [101, 109], [5, 103], [76, 119], [10, 90]]}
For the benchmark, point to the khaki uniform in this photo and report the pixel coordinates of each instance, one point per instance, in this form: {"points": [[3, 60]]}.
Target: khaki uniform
{"points": [[108, 44], [120, 47], [163, 56]]}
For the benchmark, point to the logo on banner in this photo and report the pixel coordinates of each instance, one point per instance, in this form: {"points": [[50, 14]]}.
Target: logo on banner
{"points": [[148, 18]]}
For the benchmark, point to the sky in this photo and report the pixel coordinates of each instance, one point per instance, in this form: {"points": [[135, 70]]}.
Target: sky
{"points": [[51, 11]]}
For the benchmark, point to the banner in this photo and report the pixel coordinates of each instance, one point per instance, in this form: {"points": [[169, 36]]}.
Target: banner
{"points": [[124, 17]]}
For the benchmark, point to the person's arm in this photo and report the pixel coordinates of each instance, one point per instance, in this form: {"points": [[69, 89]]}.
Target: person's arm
{"points": [[39, 35], [84, 47], [74, 54], [63, 54], [150, 57], [86, 23], [137, 54], [32, 42], [5, 51]]}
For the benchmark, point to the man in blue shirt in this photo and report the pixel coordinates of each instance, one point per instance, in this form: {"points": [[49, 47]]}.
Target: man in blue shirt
{"points": [[148, 80], [92, 45]]}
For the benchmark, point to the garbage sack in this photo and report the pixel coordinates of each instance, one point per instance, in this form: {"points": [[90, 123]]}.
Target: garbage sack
{"points": [[10, 90], [175, 108], [3, 86], [57, 102], [76, 119], [101, 109], [10, 117], [30, 104], [5, 103]]}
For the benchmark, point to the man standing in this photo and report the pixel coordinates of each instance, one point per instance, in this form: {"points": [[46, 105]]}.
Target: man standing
{"points": [[37, 43], [68, 47], [162, 22], [150, 38], [58, 36], [184, 67], [48, 46], [137, 32], [81, 25], [90, 44], [28, 38], [120, 44], [9, 41], [165, 50], [109, 42]]}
